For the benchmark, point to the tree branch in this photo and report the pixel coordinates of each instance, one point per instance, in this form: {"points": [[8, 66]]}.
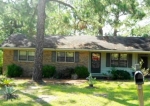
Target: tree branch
{"points": [[61, 2], [68, 5]]}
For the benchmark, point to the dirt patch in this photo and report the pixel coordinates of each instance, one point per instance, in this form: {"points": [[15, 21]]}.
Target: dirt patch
{"points": [[101, 95], [45, 98], [54, 81], [66, 81]]}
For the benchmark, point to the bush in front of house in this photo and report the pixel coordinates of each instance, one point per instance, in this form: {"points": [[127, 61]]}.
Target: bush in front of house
{"points": [[1, 58], [81, 71], [14, 71], [1, 72], [120, 74], [1, 61], [48, 71], [64, 74]]}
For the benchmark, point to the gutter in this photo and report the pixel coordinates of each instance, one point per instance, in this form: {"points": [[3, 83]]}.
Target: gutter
{"points": [[67, 49]]}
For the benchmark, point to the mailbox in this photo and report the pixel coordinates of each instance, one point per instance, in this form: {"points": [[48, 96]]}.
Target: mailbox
{"points": [[139, 78]]}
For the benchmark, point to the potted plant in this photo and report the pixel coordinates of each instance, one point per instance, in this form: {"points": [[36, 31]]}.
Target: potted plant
{"points": [[91, 80]]}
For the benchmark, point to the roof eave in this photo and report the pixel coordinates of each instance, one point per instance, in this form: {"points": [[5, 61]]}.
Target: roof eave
{"points": [[77, 49]]}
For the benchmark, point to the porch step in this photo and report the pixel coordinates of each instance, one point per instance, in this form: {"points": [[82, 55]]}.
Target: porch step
{"points": [[98, 76]]}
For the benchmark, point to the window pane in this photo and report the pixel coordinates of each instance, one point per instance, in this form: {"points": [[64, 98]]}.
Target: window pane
{"points": [[122, 63], [31, 58], [114, 60], [69, 56], [22, 55], [123, 56], [114, 56], [61, 56], [123, 60], [31, 55], [114, 63]]}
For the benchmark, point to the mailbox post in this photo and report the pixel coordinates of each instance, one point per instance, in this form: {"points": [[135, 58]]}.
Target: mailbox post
{"points": [[139, 80]]}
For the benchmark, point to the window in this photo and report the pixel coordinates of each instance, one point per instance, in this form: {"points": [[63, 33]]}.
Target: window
{"points": [[22, 55], [69, 57], [61, 56], [31, 55], [26, 55], [65, 56], [118, 60]]}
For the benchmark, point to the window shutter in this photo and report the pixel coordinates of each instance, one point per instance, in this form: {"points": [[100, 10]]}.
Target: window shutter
{"points": [[130, 60], [53, 56], [107, 59], [76, 57], [15, 55]]}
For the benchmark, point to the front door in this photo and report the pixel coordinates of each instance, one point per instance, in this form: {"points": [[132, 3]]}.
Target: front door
{"points": [[95, 62], [145, 61]]}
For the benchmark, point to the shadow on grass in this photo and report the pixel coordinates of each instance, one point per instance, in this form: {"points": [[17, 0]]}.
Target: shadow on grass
{"points": [[17, 102], [35, 99], [116, 93]]}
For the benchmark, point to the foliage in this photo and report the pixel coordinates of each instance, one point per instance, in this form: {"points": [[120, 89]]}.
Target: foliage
{"points": [[81, 71], [14, 71], [9, 93], [143, 70], [64, 74], [106, 93], [120, 74], [107, 75], [70, 18], [1, 58], [91, 80], [4, 81], [48, 71], [1, 61]]}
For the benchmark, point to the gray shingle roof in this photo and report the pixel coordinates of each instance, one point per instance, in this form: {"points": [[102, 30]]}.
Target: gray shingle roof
{"points": [[81, 42]]}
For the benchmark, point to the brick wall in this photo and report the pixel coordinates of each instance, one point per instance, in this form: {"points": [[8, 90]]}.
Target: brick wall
{"points": [[28, 66]]}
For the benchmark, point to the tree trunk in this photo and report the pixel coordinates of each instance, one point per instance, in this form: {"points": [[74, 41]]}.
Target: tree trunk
{"points": [[37, 73], [100, 31], [116, 22], [115, 32]]}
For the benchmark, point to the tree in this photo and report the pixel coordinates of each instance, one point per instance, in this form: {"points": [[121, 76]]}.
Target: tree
{"points": [[17, 17], [142, 27], [37, 73], [129, 9]]}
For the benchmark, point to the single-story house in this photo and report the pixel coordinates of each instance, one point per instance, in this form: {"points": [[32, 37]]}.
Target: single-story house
{"points": [[98, 53]]}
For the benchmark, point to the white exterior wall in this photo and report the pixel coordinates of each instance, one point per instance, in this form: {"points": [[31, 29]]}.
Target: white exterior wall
{"points": [[105, 69]]}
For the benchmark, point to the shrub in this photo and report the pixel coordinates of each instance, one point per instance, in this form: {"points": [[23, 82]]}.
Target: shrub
{"points": [[81, 71], [48, 71], [4, 81], [120, 74], [64, 74], [1, 72], [14, 71], [1, 58]]}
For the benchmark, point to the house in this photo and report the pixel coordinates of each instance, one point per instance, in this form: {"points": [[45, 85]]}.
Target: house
{"points": [[98, 53]]}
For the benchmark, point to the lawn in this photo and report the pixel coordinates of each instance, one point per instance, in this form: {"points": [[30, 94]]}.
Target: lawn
{"points": [[104, 93]]}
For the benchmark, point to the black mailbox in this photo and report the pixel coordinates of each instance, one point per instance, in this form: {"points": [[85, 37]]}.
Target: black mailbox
{"points": [[139, 78]]}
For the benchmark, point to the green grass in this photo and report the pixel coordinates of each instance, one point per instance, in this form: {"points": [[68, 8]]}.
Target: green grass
{"points": [[104, 93]]}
